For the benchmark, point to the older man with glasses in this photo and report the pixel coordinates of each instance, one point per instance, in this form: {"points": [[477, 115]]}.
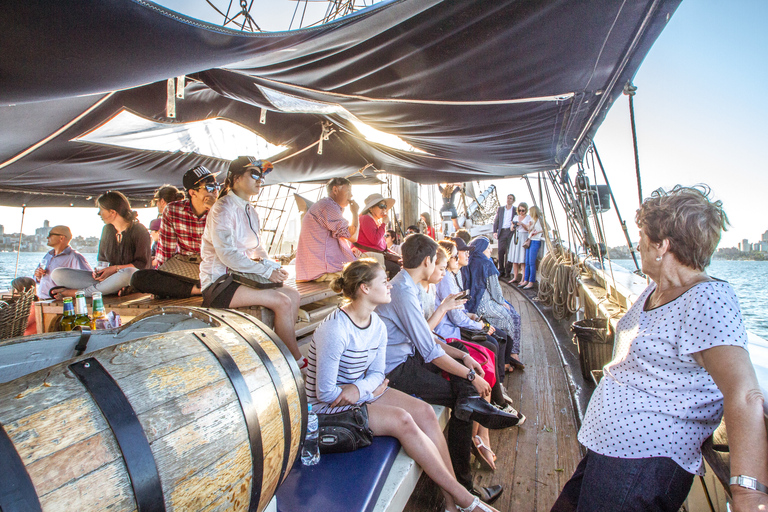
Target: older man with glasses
{"points": [[181, 232], [61, 255]]}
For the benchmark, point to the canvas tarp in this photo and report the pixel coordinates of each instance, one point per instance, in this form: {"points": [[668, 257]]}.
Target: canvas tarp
{"points": [[483, 89]]}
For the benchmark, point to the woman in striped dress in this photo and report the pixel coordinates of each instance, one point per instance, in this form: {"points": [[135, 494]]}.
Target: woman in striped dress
{"points": [[346, 368]]}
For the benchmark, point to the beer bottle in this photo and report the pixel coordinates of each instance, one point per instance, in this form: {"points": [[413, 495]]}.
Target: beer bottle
{"points": [[81, 310], [68, 320], [99, 320]]}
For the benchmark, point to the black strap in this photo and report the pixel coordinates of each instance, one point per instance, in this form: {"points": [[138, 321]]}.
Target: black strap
{"points": [[82, 343], [283, 400], [17, 493], [122, 419], [249, 412]]}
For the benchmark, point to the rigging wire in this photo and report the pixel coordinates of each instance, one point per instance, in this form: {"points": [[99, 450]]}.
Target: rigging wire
{"points": [[630, 90], [21, 231], [618, 214]]}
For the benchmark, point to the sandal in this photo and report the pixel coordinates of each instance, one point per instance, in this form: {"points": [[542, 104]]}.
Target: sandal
{"points": [[476, 505], [478, 446]]}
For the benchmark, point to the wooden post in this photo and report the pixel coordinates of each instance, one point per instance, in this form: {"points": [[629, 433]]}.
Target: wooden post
{"points": [[409, 202]]}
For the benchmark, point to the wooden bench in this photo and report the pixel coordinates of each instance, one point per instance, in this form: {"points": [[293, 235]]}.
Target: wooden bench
{"points": [[317, 300]]}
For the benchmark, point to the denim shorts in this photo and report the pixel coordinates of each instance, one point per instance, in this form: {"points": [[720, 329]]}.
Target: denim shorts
{"points": [[609, 484]]}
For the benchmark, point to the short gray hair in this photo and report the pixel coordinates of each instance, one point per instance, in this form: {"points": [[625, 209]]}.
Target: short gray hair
{"points": [[336, 182]]}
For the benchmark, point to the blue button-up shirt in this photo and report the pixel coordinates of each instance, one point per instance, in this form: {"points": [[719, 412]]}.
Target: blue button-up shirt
{"points": [[68, 258], [407, 329], [455, 318]]}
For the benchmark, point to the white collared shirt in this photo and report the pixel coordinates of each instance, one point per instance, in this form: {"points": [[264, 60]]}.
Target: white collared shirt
{"points": [[231, 240], [508, 214]]}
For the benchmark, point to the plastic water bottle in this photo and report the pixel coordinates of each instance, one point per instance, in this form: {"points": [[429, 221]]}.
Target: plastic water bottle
{"points": [[310, 454]]}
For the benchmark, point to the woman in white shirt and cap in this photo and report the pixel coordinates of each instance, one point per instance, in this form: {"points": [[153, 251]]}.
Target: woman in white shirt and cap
{"points": [[232, 242]]}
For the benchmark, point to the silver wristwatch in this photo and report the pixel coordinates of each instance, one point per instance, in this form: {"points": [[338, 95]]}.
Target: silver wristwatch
{"points": [[748, 483]]}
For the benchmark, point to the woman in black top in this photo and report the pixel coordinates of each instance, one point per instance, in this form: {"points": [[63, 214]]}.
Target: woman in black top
{"points": [[125, 245]]}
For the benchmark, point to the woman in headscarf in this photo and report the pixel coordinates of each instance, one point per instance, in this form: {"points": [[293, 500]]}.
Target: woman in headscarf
{"points": [[481, 278]]}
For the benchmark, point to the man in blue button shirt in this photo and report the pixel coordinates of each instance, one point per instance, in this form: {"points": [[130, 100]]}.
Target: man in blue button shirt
{"points": [[61, 255], [415, 361]]}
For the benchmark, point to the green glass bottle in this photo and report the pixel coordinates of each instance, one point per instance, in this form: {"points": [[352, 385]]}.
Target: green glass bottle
{"points": [[68, 320], [99, 320], [81, 310]]}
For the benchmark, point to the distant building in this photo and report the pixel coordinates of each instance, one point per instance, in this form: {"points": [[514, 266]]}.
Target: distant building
{"points": [[761, 246], [745, 246], [764, 238]]}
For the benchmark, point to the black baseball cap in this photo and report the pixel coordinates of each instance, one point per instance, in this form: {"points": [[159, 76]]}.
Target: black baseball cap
{"points": [[195, 175]]}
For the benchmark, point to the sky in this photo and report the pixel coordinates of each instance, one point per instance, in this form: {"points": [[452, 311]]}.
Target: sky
{"points": [[698, 114]]}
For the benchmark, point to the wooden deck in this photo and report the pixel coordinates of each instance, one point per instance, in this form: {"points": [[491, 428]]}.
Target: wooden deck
{"points": [[535, 460]]}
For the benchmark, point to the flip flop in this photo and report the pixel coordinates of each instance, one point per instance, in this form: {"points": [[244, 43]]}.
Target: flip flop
{"points": [[478, 447]]}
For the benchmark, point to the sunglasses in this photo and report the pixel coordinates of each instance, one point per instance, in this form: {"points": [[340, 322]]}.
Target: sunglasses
{"points": [[383, 206], [387, 236], [210, 187], [521, 209], [54, 234], [259, 175]]}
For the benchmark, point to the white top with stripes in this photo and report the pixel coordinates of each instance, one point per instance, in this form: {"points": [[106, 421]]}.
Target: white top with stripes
{"points": [[342, 352]]}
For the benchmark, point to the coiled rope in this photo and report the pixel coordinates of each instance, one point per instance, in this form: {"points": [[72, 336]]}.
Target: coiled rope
{"points": [[559, 282]]}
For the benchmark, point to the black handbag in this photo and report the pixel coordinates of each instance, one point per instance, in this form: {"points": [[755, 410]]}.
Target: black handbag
{"points": [[344, 431]]}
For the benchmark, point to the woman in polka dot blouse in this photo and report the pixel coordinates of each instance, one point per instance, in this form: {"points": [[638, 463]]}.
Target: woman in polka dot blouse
{"points": [[680, 362]]}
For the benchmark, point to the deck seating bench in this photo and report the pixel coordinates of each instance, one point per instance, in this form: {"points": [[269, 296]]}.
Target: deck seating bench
{"points": [[379, 478], [317, 300]]}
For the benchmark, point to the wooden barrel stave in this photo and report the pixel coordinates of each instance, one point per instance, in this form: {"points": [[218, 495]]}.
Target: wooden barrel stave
{"points": [[180, 394]]}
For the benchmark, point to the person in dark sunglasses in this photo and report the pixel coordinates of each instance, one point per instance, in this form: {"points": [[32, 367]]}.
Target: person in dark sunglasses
{"points": [[181, 231], [371, 239]]}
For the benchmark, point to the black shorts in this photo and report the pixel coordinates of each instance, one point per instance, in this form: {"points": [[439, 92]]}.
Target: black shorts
{"points": [[219, 294]]}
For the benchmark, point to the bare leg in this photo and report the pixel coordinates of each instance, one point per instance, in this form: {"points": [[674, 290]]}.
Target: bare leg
{"points": [[283, 301], [408, 419], [515, 268]]}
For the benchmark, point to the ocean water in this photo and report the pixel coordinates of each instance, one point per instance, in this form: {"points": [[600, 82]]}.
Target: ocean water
{"points": [[748, 278], [28, 262]]}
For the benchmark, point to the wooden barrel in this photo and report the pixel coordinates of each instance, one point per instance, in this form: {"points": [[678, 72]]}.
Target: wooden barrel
{"points": [[201, 419]]}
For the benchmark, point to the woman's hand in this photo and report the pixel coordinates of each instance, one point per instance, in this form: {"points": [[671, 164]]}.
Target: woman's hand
{"points": [[101, 275], [482, 387], [745, 500], [381, 389], [470, 363], [451, 302], [349, 396], [278, 275]]}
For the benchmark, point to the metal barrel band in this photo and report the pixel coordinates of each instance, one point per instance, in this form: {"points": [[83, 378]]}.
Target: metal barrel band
{"points": [[130, 437], [82, 343], [270, 367], [248, 407], [17, 492]]}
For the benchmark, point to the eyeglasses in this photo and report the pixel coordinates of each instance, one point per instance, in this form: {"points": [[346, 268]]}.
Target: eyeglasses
{"points": [[210, 187], [383, 206], [54, 234]]}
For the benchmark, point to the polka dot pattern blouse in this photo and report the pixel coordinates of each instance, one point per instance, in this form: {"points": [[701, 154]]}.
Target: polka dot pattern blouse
{"points": [[655, 400]]}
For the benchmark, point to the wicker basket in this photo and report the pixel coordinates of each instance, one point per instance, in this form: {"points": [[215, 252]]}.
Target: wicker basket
{"points": [[14, 314]]}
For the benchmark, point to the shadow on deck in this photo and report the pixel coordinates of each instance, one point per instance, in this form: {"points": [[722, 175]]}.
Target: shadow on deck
{"points": [[535, 460]]}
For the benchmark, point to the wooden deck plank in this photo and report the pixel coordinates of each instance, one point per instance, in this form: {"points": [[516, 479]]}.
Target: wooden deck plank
{"points": [[535, 460]]}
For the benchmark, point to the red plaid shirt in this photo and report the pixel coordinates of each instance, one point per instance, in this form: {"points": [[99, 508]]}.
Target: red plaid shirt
{"points": [[180, 231]]}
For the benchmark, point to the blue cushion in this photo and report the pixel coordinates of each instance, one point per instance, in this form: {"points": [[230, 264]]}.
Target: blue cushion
{"points": [[340, 481]]}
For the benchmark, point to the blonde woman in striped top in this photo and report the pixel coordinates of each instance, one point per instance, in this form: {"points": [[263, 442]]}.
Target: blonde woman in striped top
{"points": [[346, 368]]}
